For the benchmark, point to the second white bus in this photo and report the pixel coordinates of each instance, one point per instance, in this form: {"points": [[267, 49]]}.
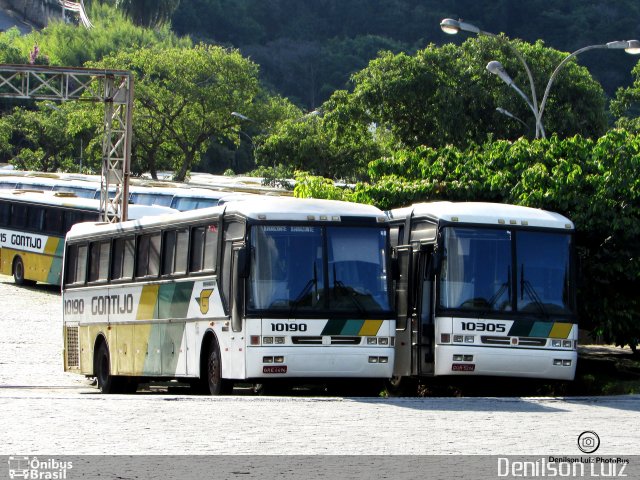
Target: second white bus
{"points": [[484, 289]]}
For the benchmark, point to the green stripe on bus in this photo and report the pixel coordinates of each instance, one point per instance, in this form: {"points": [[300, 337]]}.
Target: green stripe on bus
{"points": [[521, 328], [55, 270], [333, 327], [173, 299]]}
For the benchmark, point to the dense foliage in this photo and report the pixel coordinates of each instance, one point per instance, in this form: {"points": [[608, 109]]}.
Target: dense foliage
{"points": [[593, 182], [295, 41], [416, 123]]}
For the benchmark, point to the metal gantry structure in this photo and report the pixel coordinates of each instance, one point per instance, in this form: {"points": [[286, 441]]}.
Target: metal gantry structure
{"points": [[114, 88]]}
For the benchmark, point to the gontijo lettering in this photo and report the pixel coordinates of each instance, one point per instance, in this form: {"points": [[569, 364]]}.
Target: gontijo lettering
{"points": [[25, 241], [110, 304]]}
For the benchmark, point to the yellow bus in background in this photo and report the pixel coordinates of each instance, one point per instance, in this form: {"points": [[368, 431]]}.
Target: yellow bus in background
{"points": [[33, 225]]}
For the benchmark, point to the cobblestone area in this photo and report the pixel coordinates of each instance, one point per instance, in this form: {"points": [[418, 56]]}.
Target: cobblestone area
{"points": [[44, 410]]}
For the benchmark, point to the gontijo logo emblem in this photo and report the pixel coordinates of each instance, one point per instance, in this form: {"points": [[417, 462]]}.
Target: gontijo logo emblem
{"points": [[203, 300]]}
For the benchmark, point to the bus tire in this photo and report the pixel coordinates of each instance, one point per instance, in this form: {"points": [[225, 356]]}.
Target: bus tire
{"points": [[211, 379], [102, 369], [18, 272]]}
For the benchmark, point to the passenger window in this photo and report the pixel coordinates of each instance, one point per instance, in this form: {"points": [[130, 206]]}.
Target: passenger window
{"points": [[148, 255], [53, 221], [99, 261], [122, 263], [204, 247], [34, 219], [76, 264], [19, 216]]}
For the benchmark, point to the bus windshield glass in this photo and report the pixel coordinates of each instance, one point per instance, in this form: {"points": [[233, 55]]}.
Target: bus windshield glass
{"points": [[304, 269], [492, 270]]}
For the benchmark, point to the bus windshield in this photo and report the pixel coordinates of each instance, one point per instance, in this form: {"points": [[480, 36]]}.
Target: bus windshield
{"points": [[303, 269], [506, 270]]}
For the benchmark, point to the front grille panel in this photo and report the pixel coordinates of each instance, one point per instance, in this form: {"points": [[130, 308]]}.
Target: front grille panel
{"points": [[306, 340]]}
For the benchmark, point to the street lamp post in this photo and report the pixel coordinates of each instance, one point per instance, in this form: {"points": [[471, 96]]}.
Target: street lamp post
{"points": [[451, 26]]}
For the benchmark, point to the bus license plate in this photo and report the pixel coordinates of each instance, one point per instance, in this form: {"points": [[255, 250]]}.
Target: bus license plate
{"points": [[275, 369], [463, 367]]}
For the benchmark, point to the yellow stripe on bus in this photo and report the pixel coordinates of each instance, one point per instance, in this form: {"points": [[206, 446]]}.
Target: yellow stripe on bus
{"points": [[561, 330], [148, 302], [370, 328], [51, 246]]}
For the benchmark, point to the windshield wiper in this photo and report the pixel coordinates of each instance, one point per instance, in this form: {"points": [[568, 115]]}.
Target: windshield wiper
{"points": [[347, 292], [305, 291], [506, 285], [526, 286]]}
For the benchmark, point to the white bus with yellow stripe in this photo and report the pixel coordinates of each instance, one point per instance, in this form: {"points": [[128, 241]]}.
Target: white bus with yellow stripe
{"points": [[33, 225], [484, 289], [267, 289]]}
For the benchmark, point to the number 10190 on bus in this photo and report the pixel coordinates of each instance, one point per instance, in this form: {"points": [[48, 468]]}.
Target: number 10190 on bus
{"points": [[273, 288]]}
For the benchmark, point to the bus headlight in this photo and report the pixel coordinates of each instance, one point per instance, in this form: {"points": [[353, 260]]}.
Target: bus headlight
{"points": [[383, 341], [372, 341], [267, 340], [458, 338], [556, 343], [566, 343]]}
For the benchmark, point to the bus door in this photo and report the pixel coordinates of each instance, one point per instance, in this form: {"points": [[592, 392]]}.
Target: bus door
{"points": [[402, 365], [424, 346]]}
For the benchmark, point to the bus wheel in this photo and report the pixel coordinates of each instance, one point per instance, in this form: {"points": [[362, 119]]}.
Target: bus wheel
{"points": [[212, 381], [18, 272], [102, 370]]}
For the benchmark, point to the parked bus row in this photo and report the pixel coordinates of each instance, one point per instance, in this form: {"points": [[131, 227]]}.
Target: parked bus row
{"points": [[284, 290], [33, 225], [180, 198]]}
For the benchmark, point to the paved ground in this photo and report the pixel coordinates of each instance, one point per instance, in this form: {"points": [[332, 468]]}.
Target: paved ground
{"points": [[44, 410]]}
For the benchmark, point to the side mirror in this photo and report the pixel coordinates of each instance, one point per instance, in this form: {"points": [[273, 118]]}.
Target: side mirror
{"points": [[436, 262], [242, 263], [240, 272], [395, 269]]}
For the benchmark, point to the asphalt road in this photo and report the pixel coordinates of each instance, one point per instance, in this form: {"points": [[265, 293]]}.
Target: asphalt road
{"points": [[45, 410]]}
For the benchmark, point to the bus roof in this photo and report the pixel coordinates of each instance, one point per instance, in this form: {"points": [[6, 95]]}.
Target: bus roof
{"points": [[63, 199], [484, 213], [265, 208]]}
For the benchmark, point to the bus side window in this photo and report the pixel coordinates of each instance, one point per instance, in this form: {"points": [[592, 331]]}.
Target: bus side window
{"points": [[99, 261], [175, 250], [19, 216], [53, 221], [70, 219], [34, 219], [5, 213], [204, 248], [122, 258], [148, 255], [76, 259]]}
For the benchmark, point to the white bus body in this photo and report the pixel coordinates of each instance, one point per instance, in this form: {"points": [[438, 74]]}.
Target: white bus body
{"points": [[484, 289], [272, 288]]}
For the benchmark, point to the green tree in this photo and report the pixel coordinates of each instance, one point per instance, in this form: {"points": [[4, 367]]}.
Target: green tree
{"points": [[445, 95], [184, 98], [37, 141], [328, 142]]}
